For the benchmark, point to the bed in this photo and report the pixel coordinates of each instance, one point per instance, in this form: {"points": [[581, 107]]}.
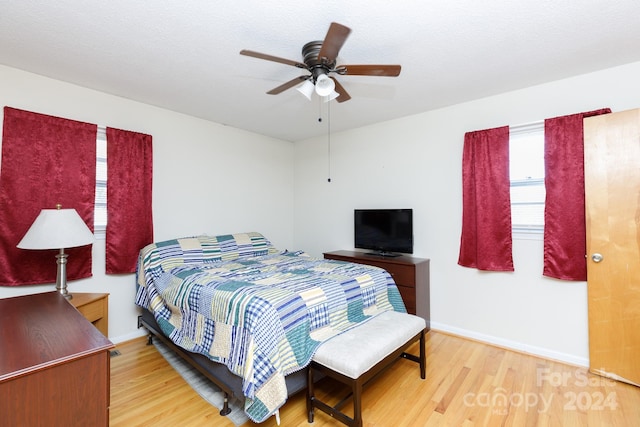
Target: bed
{"points": [[251, 316]]}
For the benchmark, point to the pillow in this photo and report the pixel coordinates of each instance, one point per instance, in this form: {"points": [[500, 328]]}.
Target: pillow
{"points": [[159, 257], [243, 245]]}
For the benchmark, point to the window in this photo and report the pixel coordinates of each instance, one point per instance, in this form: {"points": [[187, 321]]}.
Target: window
{"points": [[526, 172], [100, 210]]}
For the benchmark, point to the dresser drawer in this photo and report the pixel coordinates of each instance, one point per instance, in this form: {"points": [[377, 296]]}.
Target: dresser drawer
{"points": [[408, 294], [94, 307], [402, 275], [92, 311]]}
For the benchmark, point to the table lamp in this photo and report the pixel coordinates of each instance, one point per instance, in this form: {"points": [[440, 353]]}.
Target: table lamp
{"points": [[58, 229]]}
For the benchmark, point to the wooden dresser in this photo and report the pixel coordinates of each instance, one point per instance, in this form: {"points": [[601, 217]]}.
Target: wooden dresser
{"points": [[54, 364], [410, 274]]}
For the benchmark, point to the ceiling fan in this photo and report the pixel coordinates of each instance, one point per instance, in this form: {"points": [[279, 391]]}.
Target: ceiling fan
{"points": [[319, 58]]}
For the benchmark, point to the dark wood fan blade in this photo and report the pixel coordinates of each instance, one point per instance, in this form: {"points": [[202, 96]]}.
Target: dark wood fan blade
{"points": [[287, 85], [371, 70], [272, 58], [335, 38], [344, 96]]}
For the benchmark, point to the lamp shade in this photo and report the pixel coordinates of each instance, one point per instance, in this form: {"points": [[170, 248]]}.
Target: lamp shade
{"points": [[324, 85], [306, 89], [57, 229]]}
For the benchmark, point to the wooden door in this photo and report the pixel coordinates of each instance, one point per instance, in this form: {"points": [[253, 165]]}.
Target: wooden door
{"points": [[612, 198]]}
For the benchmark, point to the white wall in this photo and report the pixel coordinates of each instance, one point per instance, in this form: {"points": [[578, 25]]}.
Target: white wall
{"points": [[415, 162], [207, 178], [411, 162]]}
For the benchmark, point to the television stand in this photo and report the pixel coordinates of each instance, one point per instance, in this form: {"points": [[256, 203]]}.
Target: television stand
{"points": [[410, 274]]}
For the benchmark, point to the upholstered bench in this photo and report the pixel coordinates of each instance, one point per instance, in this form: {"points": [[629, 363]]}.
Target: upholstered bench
{"points": [[356, 356]]}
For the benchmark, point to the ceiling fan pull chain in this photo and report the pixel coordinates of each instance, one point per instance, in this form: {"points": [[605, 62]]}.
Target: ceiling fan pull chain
{"points": [[329, 140]]}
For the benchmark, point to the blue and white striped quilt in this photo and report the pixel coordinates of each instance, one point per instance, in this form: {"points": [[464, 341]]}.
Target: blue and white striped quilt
{"points": [[264, 316]]}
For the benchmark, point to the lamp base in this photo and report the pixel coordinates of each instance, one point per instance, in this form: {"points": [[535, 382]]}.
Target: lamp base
{"points": [[61, 278], [64, 293]]}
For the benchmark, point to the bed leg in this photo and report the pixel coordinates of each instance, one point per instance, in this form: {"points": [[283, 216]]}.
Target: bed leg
{"points": [[310, 395], [150, 339], [225, 408]]}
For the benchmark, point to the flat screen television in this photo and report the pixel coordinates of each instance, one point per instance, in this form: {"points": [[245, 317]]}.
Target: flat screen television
{"points": [[384, 231]]}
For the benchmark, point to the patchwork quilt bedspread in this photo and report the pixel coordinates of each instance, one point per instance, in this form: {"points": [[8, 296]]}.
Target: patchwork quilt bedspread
{"points": [[264, 316]]}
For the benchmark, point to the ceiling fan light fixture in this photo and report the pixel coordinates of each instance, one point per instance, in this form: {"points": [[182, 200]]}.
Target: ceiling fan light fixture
{"points": [[319, 59], [306, 89], [324, 85], [333, 95]]}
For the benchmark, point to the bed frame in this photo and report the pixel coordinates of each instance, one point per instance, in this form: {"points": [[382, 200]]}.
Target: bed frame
{"points": [[219, 374]]}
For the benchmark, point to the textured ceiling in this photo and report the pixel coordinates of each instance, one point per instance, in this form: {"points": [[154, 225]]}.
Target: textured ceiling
{"points": [[184, 56]]}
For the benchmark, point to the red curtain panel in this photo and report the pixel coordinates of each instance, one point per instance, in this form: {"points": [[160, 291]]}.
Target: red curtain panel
{"points": [[46, 160], [129, 210], [485, 241], [564, 217]]}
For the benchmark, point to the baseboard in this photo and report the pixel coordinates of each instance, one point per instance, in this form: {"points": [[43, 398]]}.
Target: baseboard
{"points": [[465, 333], [128, 337], [512, 345]]}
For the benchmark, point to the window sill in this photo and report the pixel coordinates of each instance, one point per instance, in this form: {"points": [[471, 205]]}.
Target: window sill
{"points": [[99, 233], [527, 235]]}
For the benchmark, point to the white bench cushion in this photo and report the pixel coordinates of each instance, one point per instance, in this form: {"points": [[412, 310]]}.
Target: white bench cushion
{"points": [[354, 352]]}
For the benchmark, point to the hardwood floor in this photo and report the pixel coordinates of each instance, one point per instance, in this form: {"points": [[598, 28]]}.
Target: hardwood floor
{"points": [[468, 384]]}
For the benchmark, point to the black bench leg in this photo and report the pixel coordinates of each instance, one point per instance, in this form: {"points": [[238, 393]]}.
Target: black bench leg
{"points": [[423, 361], [357, 403]]}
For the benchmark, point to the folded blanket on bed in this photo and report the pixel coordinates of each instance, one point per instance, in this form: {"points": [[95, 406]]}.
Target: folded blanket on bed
{"points": [[264, 316]]}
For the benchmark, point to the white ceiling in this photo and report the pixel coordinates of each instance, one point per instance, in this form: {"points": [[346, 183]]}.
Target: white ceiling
{"points": [[184, 56]]}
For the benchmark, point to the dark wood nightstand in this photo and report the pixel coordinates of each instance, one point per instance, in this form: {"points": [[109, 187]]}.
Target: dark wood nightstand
{"points": [[95, 308]]}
